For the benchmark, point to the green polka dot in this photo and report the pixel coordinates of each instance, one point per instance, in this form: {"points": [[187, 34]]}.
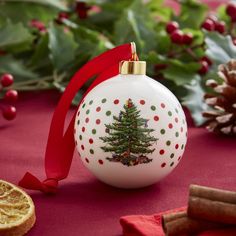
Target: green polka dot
{"points": [[91, 151], [83, 105], [153, 108], [108, 113], [104, 100], [91, 102], [80, 137], [168, 143], [177, 134], [172, 155], [169, 113], [78, 122], [182, 146], [172, 163], [87, 112], [162, 131], [94, 131], [176, 110]]}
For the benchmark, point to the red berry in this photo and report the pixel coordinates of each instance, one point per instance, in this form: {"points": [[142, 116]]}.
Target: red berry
{"points": [[220, 27], [233, 18], [11, 95], [208, 25], [38, 25], [171, 27], [9, 113], [207, 60], [63, 15], [177, 37], [204, 68], [231, 9], [7, 80], [187, 38], [159, 67]]}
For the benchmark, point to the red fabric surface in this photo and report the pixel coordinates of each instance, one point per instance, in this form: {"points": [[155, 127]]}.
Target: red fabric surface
{"points": [[85, 206], [143, 225]]}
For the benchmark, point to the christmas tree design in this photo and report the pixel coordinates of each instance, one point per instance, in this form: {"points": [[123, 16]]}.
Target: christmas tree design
{"points": [[129, 138]]}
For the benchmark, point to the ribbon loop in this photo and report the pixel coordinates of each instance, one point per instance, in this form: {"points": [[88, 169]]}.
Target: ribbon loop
{"points": [[60, 146]]}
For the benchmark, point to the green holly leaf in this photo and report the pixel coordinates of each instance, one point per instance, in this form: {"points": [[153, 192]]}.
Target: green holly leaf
{"points": [[136, 25], [17, 68], [15, 37], [181, 73], [62, 47], [25, 10], [220, 48], [192, 14], [194, 101]]}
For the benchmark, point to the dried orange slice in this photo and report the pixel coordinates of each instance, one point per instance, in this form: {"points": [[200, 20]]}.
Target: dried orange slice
{"points": [[17, 211]]}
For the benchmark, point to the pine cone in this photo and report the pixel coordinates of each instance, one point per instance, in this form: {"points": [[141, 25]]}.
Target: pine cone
{"points": [[222, 117]]}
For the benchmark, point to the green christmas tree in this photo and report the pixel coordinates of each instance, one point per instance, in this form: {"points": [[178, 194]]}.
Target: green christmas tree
{"points": [[129, 138]]}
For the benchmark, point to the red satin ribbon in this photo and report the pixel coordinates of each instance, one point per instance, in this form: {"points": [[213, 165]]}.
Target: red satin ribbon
{"points": [[60, 146]]}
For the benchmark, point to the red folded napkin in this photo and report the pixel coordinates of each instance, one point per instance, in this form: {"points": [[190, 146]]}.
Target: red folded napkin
{"points": [[143, 225]]}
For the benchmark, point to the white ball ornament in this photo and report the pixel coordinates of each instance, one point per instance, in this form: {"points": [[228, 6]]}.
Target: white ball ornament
{"points": [[130, 130]]}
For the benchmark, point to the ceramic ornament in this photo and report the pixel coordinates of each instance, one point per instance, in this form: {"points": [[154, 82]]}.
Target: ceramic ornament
{"points": [[130, 130]]}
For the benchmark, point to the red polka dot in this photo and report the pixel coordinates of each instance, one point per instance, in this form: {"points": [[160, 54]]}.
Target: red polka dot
{"points": [[87, 120], [142, 102], [74, 131], [82, 147], [179, 158], [78, 113], [176, 120], [98, 121], [83, 129], [156, 118], [181, 129], [162, 151], [163, 165], [163, 105], [176, 146], [170, 126], [87, 160], [116, 101], [90, 140], [76, 143], [98, 109], [100, 162]]}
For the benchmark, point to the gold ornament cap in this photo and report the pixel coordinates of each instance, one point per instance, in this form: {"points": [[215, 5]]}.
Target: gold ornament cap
{"points": [[133, 67]]}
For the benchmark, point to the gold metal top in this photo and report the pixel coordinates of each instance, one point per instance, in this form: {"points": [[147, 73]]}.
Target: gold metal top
{"points": [[134, 66]]}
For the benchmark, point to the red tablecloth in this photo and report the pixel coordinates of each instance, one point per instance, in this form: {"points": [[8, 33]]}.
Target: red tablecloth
{"points": [[84, 206]]}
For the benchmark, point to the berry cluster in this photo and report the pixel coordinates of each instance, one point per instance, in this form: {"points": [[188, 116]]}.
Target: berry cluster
{"points": [[177, 36], [10, 96], [213, 24]]}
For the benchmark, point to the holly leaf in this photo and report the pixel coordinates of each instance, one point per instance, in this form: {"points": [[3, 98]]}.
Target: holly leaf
{"points": [[192, 14], [62, 46], [220, 48], [136, 25], [194, 101], [181, 73], [17, 68], [24, 11], [15, 37]]}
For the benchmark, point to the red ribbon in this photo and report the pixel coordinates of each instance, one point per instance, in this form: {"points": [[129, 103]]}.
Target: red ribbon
{"points": [[60, 145]]}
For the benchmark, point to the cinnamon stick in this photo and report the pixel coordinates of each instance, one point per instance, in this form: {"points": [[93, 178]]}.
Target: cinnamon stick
{"points": [[180, 224], [212, 204]]}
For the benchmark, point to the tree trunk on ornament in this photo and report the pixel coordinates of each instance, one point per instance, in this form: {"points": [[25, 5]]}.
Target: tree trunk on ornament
{"points": [[222, 116]]}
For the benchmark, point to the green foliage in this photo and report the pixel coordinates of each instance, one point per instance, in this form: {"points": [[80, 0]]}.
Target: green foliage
{"points": [[47, 59]]}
